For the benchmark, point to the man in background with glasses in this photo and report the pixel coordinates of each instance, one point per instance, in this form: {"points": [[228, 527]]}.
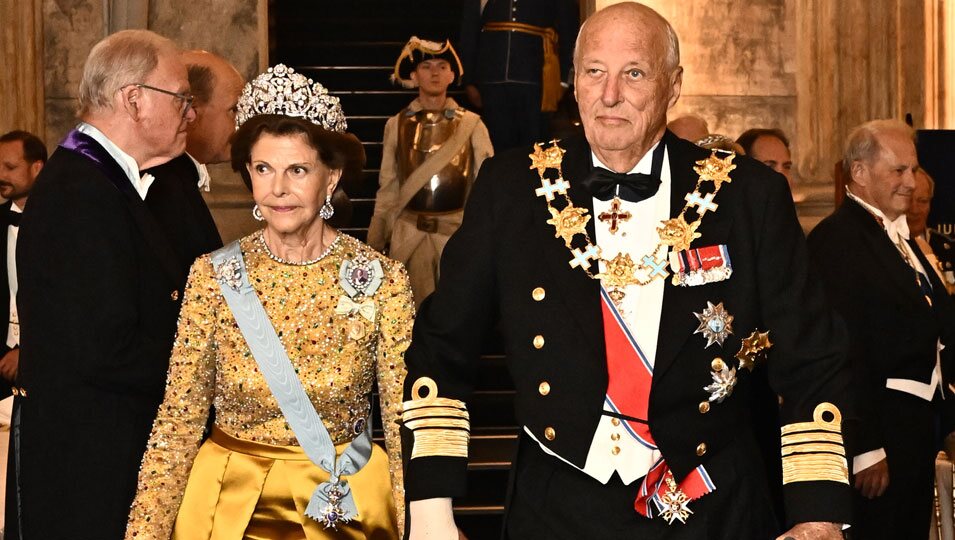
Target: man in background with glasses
{"points": [[175, 197], [99, 293]]}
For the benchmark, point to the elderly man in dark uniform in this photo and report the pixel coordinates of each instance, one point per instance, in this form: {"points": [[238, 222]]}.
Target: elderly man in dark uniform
{"points": [[517, 57], [638, 279]]}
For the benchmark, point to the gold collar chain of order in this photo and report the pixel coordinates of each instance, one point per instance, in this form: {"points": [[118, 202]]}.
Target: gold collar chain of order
{"points": [[622, 271]]}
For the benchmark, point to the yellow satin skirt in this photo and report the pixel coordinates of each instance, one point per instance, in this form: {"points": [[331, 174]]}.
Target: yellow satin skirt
{"points": [[242, 490]]}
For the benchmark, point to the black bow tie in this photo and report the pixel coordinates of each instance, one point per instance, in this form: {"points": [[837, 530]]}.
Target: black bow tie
{"points": [[12, 218], [634, 187]]}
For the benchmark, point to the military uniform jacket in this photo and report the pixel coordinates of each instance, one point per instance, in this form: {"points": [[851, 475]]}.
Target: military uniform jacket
{"points": [[505, 250], [514, 57]]}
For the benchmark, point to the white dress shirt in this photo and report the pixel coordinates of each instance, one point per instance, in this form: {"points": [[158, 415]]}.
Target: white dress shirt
{"points": [[898, 232], [140, 182], [13, 327], [641, 309]]}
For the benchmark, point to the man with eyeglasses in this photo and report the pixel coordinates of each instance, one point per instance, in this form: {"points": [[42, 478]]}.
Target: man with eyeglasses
{"points": [[99, 294]]}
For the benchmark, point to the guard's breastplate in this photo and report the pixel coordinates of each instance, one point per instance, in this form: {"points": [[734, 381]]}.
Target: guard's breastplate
{"points": [[421, 134]]}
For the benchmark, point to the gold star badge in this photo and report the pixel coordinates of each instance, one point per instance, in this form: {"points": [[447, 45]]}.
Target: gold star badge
{"points": [[715, 169], [568, 222], [678, 233], [550, 158], [620, 272], [753, 348]]}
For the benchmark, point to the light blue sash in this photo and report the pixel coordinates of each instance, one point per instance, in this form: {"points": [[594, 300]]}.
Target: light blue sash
{"points": [[332, 502]]}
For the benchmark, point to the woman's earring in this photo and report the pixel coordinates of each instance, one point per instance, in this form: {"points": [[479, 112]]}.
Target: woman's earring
{"points": [[257, 214], [327, 210]]}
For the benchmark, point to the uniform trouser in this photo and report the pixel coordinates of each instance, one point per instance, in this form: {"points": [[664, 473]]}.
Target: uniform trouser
{"points": [[905, 509], [551, 500], [420, 250], [512, 114]]}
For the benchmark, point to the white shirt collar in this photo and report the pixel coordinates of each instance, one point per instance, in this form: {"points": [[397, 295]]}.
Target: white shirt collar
{"points": [[205, 180], [140, 183], [899, 228], [645, 165], [15, 208]]}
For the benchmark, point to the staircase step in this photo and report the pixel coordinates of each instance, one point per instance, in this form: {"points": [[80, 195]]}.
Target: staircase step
{"points": [[481, 524], [384, 102], [352, 52], [367, 128], [351, 77]]}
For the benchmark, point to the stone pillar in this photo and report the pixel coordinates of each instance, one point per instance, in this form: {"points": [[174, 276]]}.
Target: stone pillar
{"points": [[21, 54]]}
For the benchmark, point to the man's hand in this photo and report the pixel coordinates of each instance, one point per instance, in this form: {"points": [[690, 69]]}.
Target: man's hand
{"points": [[9, 364], [872, 481], [432, 519], [814, 530], [474, 96]]}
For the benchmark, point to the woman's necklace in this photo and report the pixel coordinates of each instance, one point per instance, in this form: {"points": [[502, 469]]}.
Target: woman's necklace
{"points": [[322, 255]]}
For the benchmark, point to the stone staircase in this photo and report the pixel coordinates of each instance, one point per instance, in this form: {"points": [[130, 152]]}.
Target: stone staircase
{"points": [[350, 47]]}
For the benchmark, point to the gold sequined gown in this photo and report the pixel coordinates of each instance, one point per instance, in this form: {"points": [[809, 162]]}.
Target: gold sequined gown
{"points": [[247, 481]]}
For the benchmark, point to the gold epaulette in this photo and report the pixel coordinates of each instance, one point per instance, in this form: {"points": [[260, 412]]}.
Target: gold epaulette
{"points": [[441, 426], [814, 451]]}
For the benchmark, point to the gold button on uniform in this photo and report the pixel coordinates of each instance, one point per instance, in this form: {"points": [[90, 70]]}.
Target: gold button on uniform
{"points": [[15, 391], [717, 364], [550, 434], [174, 295], [701, 449], [615, 421], [615, 451], [615, 437], [538, 341], [704, 407], [538, 294], [544, 388], [23, 392]]}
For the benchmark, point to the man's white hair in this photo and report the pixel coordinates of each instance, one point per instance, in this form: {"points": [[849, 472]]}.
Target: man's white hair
{"points": [[672, 60], [124, 58], [863, 142]]}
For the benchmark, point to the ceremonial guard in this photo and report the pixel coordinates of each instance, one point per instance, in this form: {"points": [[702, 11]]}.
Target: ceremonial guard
{"points": [[432, 152], [517, 55], [637, 279]]}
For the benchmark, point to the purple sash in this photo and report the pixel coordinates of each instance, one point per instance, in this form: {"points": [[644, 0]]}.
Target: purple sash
{"points": [[155, 237]]}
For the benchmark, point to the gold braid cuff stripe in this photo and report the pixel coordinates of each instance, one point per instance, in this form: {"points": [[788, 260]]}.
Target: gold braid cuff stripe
{"points": [[441, 426], [811, 448], [815, 468], [622, 270], [814, 451], [812, 436]]}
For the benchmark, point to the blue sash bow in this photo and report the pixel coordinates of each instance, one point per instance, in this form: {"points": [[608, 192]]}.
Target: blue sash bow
{"points": [[332, 502]]}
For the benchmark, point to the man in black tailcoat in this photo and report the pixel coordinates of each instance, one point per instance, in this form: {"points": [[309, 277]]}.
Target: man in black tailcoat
{"points": [[633, 308], [99, 294], [901, 328]]}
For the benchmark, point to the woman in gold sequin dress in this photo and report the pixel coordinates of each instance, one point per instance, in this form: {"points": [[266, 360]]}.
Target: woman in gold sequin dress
{"points": [[343, 314]]}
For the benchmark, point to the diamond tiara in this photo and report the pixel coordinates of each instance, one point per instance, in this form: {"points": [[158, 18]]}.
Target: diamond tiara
{"points": [[282, 91]]}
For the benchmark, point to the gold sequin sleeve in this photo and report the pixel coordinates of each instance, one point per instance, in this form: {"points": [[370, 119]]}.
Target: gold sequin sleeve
{"points": [[181, 419], [396, 320]]}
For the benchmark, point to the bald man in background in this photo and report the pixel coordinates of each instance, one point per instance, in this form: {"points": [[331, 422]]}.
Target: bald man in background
{"points": [[175, 196]]}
